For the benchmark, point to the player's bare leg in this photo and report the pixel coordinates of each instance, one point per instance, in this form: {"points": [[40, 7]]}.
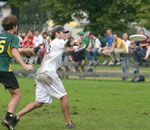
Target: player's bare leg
{"points": [[14, 100], [29, 108], [65, 109], [7, 122], [147, 53]]}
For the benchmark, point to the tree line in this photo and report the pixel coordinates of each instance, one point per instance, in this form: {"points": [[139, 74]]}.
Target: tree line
{"points": [[101, 14]]}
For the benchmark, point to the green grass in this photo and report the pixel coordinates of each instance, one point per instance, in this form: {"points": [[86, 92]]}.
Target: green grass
{"points": [[94, 105]]}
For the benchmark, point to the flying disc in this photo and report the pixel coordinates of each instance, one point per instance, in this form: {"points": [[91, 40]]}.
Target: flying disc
{"points": [[137, 37]]}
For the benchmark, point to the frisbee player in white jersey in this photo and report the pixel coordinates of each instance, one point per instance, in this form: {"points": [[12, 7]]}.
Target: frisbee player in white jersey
{"points": [[48, 84]]}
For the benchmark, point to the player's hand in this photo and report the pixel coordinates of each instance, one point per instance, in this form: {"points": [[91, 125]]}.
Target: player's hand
{"points": [[28, 67]]}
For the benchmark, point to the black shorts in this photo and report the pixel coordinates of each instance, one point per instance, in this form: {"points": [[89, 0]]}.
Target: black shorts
{"points": [[9, 80]]}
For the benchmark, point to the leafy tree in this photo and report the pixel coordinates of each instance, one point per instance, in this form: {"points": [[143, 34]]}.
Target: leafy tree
{"points": [[143, 15], [32, 13], [101, 14]]}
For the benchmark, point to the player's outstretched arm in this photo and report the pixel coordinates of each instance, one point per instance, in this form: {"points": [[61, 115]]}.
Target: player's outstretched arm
{"points": [[17, 56]]}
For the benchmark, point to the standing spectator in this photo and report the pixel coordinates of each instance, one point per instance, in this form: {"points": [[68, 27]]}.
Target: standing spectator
{"points": [[92, 49], [118, 48], [139, 53], [125, 60], [106, 50]]}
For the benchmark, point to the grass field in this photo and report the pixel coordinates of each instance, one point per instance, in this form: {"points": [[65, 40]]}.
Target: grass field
{"points": [[94, 105]]}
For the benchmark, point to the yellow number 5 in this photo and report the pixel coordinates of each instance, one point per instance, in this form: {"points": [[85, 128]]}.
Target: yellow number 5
{"points": [[2, 46]]}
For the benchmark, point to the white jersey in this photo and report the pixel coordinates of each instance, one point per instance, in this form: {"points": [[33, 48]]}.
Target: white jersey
{"points": [[53, 56]]}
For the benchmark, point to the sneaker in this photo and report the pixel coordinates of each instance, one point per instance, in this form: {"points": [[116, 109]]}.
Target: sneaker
{"points": [[8, 124], [111, 63], [15, 120], [118, 63], [90, 62], [95, 63], [71, 126], [105, 62]]}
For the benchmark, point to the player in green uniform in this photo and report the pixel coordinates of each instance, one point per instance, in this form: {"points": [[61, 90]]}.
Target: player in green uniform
{"points": [[8, 49]]}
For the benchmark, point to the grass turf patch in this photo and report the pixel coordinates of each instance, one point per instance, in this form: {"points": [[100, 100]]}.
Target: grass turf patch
{"points": [[94, 105]]}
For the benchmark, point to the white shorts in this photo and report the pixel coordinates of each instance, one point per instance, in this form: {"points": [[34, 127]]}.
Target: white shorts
{"points": [[48, 85]]}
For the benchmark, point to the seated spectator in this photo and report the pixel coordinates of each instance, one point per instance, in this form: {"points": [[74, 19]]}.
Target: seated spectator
{"points": [[29, 39], [140, 53], [78, 53], [126, 42], [118, 48], [37, 45], [148, 50], [83, 38], [46, 41], [134, 45], [92, 49], [33, 51], [106, 49], [23, 35], [37, 42], [102, 40], [28, 43]]}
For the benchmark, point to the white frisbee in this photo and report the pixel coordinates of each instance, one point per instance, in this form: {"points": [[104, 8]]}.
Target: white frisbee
{"points": [[137, 37]]}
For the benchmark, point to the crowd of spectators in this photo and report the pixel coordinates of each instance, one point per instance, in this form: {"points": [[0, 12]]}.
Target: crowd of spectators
{"points": [[88, 48], [33, 45]]}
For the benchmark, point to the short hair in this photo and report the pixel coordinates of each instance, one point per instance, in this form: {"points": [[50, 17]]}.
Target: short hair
{"points": [[108, 29], [115, 34], [9, 22], [71, 37], [92, 33], [30, 31], [36, 30], [68, 43], [45, 33]]}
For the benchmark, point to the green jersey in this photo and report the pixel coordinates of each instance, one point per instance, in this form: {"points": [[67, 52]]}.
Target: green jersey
{"points": [[7, 42], [86, 41]]}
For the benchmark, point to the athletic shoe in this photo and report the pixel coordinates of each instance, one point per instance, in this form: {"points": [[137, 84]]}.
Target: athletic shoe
{"points": [[105, 62], [15, 120], [90, 62], [8, 124], [111, 63], [118, 63], [95, 63], [71, 126]]}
